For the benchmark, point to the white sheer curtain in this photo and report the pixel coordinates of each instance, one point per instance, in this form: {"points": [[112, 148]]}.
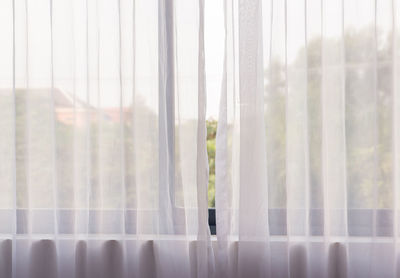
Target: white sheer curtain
{"points": [[307, 167], [103, 163], [102, 145]]}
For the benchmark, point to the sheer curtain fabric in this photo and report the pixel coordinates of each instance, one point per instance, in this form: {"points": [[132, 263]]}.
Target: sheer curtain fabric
{"points": [[103, 162], [307, 163], [102, 144]]}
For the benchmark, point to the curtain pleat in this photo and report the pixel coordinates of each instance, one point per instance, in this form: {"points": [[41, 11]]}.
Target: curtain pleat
{"points": [[396, 120]]}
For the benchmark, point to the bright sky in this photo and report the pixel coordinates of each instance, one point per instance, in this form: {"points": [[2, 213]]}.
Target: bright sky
{"points": [[358, 13], [214, 50]]}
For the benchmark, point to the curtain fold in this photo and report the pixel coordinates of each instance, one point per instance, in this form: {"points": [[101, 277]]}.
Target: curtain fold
{"points": [[103, 160], [307, 142]]}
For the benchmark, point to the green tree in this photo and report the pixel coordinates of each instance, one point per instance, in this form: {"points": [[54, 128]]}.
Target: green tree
{"points": [[367, 72], [211, 147]]}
